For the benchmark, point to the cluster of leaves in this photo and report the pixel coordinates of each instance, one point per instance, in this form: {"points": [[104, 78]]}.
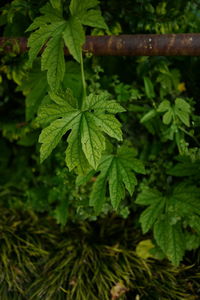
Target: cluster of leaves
{"points": [[69, 108]]}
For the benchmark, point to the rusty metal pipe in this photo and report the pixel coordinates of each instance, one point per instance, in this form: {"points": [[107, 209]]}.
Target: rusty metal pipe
{"points": [[128, 45]]}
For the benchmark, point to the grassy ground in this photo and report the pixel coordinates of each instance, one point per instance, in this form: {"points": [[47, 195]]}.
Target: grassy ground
{"points": [[85, 261]]}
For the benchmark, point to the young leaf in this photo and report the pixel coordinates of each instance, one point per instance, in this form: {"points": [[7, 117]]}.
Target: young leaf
{"points": [[118, 170]]}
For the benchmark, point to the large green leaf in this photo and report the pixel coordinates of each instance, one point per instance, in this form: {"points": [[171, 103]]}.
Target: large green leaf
{"points": [[86, 141], [119, 171]]}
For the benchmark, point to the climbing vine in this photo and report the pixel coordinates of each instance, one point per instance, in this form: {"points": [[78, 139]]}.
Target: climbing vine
{"points": [[105, 144]]}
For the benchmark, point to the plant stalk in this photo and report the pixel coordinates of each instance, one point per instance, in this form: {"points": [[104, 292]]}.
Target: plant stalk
{"points": [[84, 94]]}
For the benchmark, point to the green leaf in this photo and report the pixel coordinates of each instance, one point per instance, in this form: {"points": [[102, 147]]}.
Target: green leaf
{"points": [[182, 110], [74, 37], [167, 117], [182, 105], [93, 18], [194, 222], [37, 40], [57, 4], [156, 201], [164, 105], [47, 113], [34, 87], [186, 199], [170, 238], [187, 168], [49, 15], [192, 241], [86, 141], [75, 157], [98, 103], [52, 134], [83, 179], [149, 197], [61, 211], [78, 8], [150, 215], [149, 88], [53, 61], [92, 139], [118, 171], [148, 116], [97, 196], [72, 78], [53, 31]]}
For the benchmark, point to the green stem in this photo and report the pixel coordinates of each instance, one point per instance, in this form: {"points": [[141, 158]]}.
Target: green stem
{"points": [[83, 81], [193, 137]]}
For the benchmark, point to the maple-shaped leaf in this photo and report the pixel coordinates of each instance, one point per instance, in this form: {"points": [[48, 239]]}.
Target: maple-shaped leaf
{"points": [[166, 212], [53, 31], [170, 238], [119, 172], [183, 201], [86, 141]]}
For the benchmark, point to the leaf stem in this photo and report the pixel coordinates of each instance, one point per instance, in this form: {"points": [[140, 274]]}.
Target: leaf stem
{"points": [[193, 137], [83, 81]]}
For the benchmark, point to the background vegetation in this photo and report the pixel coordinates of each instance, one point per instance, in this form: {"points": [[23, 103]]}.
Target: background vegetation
{"points": [[90, 254]]}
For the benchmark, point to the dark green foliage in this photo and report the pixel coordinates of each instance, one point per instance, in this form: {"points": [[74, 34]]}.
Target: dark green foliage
{"points": [[111, 138], [84, 261]]}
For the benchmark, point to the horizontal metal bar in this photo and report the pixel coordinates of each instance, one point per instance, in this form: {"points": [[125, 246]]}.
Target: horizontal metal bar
{"points": [[126, 45]]}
